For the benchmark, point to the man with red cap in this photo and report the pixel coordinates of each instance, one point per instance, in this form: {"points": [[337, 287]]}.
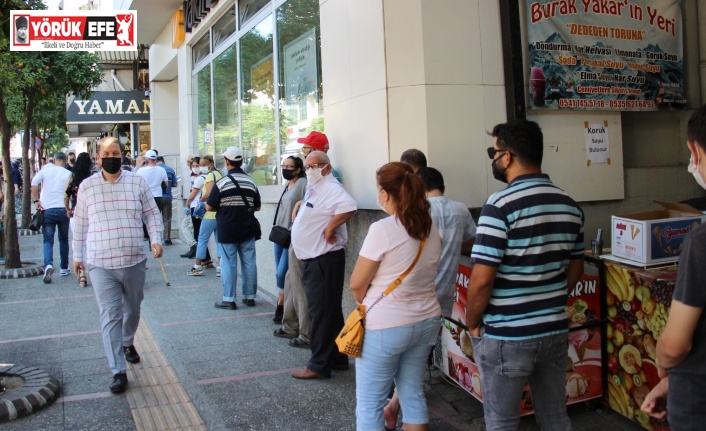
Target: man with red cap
{"points": [[314, 141]]}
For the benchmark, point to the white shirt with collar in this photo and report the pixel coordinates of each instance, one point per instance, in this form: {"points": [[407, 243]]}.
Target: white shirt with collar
{"points": [[322, 201]]}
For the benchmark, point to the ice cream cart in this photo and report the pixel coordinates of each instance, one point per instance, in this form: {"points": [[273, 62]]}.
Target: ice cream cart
{"points": [[584, 377]]}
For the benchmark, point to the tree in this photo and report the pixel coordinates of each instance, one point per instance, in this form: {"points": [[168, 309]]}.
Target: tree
{"points": [[29, 80]]}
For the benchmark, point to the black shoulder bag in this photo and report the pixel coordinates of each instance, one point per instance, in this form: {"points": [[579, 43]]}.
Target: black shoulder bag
{"points": [[258, 229], [280, 235]]}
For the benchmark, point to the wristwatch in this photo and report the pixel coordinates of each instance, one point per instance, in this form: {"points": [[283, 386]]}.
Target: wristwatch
{"points": [[35, 201]]}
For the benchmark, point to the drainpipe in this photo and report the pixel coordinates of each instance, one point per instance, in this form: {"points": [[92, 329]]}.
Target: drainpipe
{"points": [[115, 79], [512, 59]]}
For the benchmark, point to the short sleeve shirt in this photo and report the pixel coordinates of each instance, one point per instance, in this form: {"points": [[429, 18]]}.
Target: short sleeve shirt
{"points": [[414, 299]]}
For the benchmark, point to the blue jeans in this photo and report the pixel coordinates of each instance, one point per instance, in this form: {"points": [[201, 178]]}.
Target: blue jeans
{"points": [[398, 354], [281, 266], [53, 218], [208, 227], [505, 366], [229, 268]]}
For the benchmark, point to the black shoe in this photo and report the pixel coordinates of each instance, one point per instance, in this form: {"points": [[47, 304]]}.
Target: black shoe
{"points": [[297, 342], [249, 302], [168, 242], [131, 354], [279, 313], [226, 305], [191, 253], [119, 383], [281, 333]]}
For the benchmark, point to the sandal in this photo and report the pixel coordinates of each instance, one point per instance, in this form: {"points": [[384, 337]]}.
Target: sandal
{"points": [[208, 264], [82, 281]]}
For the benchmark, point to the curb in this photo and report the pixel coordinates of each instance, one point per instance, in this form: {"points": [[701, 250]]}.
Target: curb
{"points": [[38, 391], [32, 271]]}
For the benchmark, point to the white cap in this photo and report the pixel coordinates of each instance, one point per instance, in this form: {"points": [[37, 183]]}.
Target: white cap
{"points": [[233, 153], [151, 154]]}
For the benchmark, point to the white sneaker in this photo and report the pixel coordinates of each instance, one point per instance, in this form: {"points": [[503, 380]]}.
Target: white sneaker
{"points": [[196, 270], [218, 271], [64, 272], [48, 271]]}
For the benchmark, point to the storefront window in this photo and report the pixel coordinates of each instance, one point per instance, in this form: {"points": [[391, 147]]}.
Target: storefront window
{"points": [[301, 104], [257, 104], [201, 49], [248, 9], [202, 94], [223, 28], [225, 100]]}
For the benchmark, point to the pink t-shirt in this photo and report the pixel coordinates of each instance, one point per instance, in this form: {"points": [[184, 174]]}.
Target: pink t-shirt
{"points": [[414, 300]]}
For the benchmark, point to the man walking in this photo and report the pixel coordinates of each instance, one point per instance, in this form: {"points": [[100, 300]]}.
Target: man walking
{"points": [[235, 199], [528, 249], [110, 208], [318, 237], [155, 177], [167, 200], [54, 180]]}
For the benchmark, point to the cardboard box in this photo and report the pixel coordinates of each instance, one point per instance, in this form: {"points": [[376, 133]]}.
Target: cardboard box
{"points": [[655, 236]]}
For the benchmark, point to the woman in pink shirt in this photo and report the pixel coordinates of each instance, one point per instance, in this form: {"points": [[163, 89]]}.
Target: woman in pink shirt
{"points": [[403, 326]]}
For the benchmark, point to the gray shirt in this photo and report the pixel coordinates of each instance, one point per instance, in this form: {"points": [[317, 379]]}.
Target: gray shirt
{"points": [[293, 195]]}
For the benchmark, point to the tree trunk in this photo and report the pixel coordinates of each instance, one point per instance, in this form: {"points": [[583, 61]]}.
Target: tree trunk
{"points": [[12, 246], [33, 152], [26, 177]]}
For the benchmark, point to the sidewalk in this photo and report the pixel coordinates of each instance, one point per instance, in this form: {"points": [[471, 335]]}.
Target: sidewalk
{"points": [[202, 368]]}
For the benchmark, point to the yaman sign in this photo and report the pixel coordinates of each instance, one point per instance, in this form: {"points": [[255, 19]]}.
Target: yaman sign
{"points": [[110, 107]]}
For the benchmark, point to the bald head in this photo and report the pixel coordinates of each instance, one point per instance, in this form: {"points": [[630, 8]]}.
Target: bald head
{"points": [[109, 147]]}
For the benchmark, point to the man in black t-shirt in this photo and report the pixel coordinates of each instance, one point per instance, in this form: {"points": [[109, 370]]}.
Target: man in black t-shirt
{"points": [[235, 198], [681, 349]]}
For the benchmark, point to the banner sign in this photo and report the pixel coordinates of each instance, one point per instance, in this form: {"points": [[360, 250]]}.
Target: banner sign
{"points": [[300, 67], [620, 55], [79, 30], [110, 107]]}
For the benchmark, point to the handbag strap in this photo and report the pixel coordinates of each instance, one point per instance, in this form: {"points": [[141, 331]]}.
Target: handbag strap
{"points": [[279, 203], [399, 279], [242, 196]]}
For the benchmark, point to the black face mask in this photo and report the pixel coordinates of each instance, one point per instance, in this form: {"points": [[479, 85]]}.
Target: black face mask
{"points": [[497, 173], [287, 174], [111, 164]]}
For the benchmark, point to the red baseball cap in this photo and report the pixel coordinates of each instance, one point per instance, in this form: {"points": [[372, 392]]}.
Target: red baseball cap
{"points": [[315, 140]]}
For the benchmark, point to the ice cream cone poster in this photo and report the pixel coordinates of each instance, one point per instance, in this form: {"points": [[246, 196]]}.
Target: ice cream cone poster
{"points": [[597, 144]]}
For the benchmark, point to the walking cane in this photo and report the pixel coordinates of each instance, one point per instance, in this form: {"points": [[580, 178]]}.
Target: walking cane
{"points": [[164, 273]]}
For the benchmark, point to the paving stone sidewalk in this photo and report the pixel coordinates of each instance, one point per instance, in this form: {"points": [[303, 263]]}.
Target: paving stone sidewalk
{"points": [[219, 369]]}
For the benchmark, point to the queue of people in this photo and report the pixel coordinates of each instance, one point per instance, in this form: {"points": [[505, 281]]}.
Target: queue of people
{"points": [[516, 294]]}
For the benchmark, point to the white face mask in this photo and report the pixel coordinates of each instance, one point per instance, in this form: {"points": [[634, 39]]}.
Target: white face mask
{"points": [[313, 176], [382, 206], [196, 170], [204, 169], [694, 170]]}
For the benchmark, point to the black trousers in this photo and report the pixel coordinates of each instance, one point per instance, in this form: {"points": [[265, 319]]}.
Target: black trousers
{"points": [[159, 203], [323, 284]]}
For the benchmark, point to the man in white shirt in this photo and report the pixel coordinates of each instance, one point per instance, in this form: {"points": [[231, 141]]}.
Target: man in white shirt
{"points": [[318, 237], [110, 208], [54, 179], [156, 177]]}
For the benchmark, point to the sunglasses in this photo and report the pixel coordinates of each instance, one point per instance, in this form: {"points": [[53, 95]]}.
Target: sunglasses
{"points": [[493, 151]]}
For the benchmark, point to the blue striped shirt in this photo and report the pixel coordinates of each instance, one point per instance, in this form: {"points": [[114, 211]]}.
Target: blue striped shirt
{"points": [[529, 232]]}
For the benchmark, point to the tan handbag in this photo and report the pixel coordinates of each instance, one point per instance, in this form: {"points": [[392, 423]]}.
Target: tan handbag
{"points": [[350, 340]]}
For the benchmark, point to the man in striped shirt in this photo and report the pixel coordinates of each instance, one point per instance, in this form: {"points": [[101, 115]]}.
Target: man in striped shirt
{"points": [[528, 252], [110, 208]]}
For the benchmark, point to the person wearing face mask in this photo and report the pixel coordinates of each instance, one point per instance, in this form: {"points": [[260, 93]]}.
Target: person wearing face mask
{"points": [[317, 141], [208, 236], [190, 225], [529, 247], [293, 173], [110, 208], [318, 236], [404, 324], [681, 349]]}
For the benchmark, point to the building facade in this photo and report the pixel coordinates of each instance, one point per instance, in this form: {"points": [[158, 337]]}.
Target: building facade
{"points": [[382, 76]]}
